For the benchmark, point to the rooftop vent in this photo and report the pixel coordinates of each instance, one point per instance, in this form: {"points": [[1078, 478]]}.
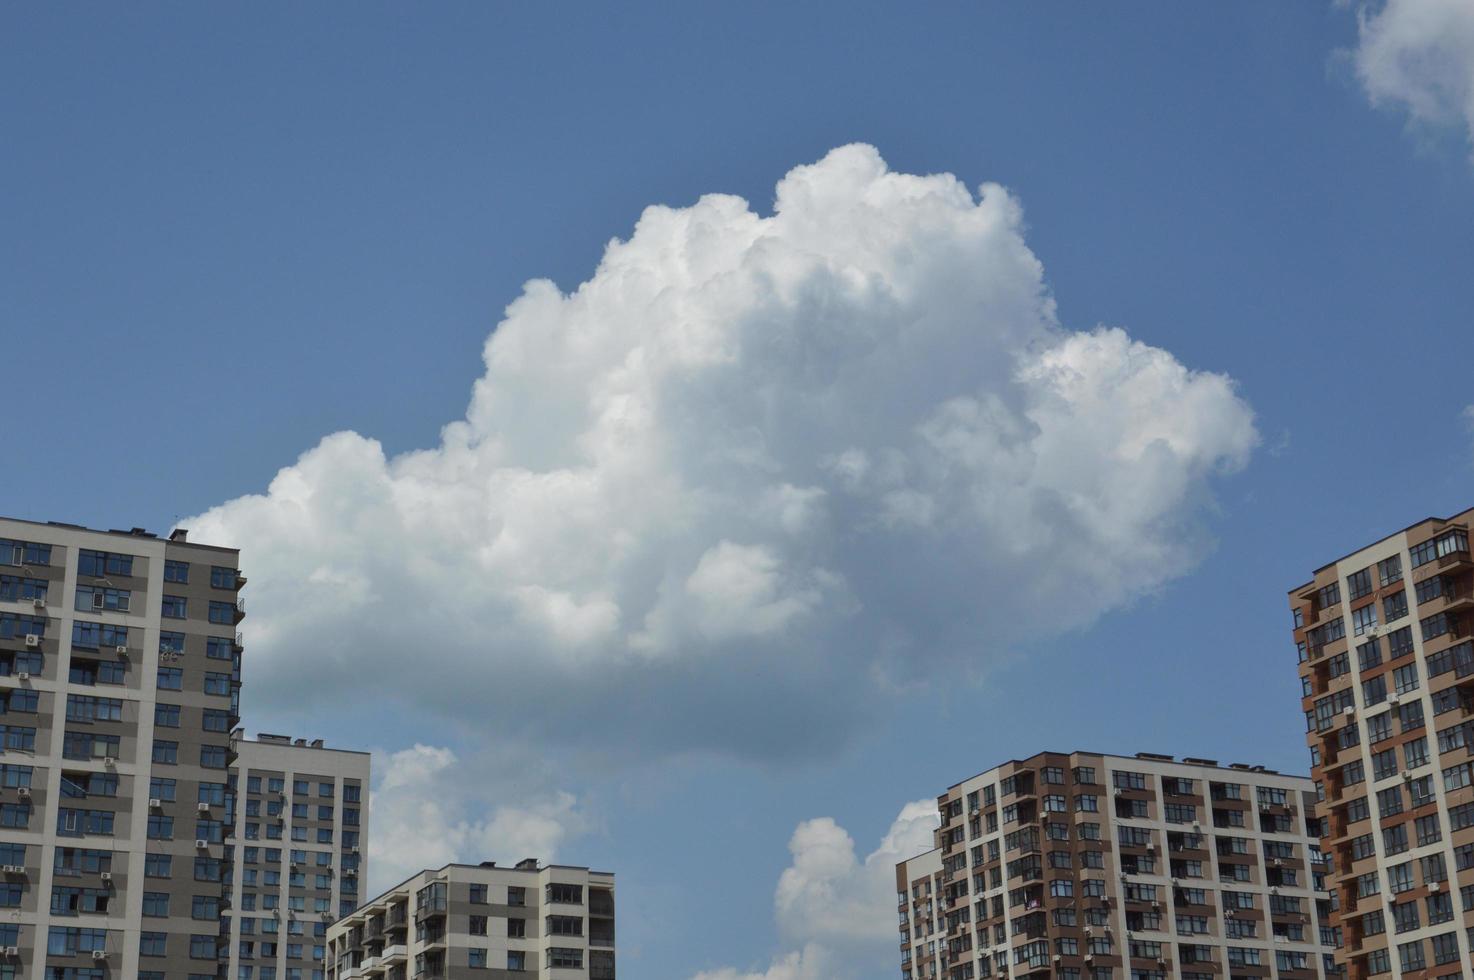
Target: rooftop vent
{"points": [[527, 864], [179, 534]]}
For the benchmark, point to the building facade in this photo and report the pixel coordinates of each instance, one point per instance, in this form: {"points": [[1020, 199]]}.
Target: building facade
{"points": [[462, 922], [298, 854], [119, 684], [1093, 866], [1386, 647]]}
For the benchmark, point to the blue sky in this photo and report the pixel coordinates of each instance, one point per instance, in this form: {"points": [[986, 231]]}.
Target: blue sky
{"points": [[226, 234]]}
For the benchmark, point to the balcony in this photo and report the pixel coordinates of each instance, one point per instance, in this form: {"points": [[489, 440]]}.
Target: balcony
{"points": [[394, 954]]}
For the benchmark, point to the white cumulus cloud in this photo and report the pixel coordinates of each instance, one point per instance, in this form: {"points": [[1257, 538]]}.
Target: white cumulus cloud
{"points": [[749, 468], [1419, 54], [836, 912], [427, 809]]}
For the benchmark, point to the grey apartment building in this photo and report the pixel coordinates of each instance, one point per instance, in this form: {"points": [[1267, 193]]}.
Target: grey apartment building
{"points": [[482, 922], [119, 690], [1385, 638], [1083, 866], [298, 854]]}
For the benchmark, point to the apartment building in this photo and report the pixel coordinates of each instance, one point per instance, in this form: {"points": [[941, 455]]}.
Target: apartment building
{"points": [[480, 921], [298, 854], [119, 689], [1081, 865], [1386, 646]]}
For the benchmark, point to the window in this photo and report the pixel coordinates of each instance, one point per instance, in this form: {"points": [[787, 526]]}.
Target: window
{"points": [[518, 960], [219, 647], [166, 715], [1359, 584], [158, 865], [1445, 544], [175, 607], [166, 753], [156, 905], [1374, 691], [1415, 753], [561, 957], [176, 571], [1369, 654], [216, 683], [171, 679], [213, 756], [1364, 618], [1400, 878], [1394, 606], [1389, 570], [1389, 801], [215, 720], [476, 959], [1405, 678], [153, 943], [97, 598], [222, 612], [24, 553]]}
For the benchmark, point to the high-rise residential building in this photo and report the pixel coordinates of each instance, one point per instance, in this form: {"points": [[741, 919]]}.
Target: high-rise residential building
{"points": [[1386, 644], [299, 855], [462, 922], [119, 690], [1082, 865]]}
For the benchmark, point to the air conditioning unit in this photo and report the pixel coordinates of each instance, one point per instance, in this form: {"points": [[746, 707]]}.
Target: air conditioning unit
{"points": [[201, 844], [24, 792], [1433, 886], [1408, 777], [1349, 710], [109, 762], [1150, 846], [38, 603], [1057, 957], [14, 869], [154, 803], [1161, 961], [121, 650], [11, 950], [351, 872], [99, 954], [203, 808], [1393, 697], [33, 639], [23, 675], [106, 876]]}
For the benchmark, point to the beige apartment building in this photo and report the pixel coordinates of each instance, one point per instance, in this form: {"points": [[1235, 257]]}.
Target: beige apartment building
{"points": [[299, 855], [1386, 646], [1082, 865], [482, 922], [119, 690]]}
